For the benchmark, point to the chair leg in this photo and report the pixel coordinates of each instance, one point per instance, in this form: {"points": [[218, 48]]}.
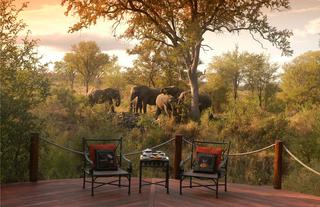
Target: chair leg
{"points": [[190, 182], [181, 185], [217, 187], [225, 183], [92, 186], [119, 184], [84, 180], [129, 186]]}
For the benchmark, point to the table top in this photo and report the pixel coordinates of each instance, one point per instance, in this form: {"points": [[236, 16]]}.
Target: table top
{"points": [[154, 162]]}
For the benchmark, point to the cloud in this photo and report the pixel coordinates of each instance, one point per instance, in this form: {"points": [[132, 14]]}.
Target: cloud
{"points": [[303, 10], [63, 42], [295, 11], [313, 26]]}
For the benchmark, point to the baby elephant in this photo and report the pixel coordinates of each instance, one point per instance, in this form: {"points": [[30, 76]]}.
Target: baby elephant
{"points": [[166, 103]]}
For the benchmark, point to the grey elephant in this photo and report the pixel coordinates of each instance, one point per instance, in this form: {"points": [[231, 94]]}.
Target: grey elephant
{"points": [[147, 96], [136, 105], [167, 104], [172, 90], [204, 100], [106, 96]]}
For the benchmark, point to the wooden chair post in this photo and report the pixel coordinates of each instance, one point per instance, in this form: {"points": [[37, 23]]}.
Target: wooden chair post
{"points": [[177, 155], [34, 157], [277, 165]]}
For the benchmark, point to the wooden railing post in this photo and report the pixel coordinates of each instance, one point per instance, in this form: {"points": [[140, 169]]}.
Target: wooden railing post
{"points": [[277, 165], [177, 155], [34, 157]]}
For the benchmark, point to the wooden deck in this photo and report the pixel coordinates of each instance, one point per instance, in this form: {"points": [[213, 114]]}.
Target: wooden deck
{"points": [[70, 193]]}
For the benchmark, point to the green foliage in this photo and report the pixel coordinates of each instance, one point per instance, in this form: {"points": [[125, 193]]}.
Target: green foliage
{"points": [[218, 90], [112, 76], [87, 59], [229, 67], [158, 23], [234, 72], [23, 87], [301, 81], [68, 68], [156, 66]]}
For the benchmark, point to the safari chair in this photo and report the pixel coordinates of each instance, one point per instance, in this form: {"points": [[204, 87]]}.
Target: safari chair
{"points": [[207, 163], [103, 158]]}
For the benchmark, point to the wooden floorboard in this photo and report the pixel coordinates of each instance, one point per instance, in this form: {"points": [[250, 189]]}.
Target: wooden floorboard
{"points": [[70, 193]]}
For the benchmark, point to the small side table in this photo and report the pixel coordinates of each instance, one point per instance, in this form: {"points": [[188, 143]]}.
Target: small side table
{"points": [[154, 163]]}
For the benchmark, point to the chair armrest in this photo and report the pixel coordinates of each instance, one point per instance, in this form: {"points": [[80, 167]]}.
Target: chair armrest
{"points": [[87, 159], [223, 164], [129, 163], [181, 166]]}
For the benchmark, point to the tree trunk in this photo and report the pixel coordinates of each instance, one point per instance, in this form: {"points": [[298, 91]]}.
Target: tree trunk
{"points": [[87, 87], [235, 91], [72, 82], [193, 80], [260, 97]]}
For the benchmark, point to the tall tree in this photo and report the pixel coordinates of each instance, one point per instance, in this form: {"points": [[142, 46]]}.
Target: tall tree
{"points": [[68, 67], [89, 61], [181, 24], [300, 82], [229, 66], [260, 75], [23, 86], [156, 65]]}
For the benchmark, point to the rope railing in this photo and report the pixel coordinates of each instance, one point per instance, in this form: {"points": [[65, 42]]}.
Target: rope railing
{"points": [[178, 140], [251, 152], [81, 153], [300, 162], [241, 153], [187, 141], [62, 147], [154, 147]]}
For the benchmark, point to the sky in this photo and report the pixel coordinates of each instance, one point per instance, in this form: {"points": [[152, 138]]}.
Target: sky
{"points": [[47, 22]]}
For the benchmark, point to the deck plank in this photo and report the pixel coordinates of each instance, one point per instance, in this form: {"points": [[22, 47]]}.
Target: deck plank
{"points": [[69, 192]]}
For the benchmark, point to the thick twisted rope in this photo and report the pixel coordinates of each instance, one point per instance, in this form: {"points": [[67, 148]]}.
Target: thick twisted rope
{"points": [[81, 153], [251, 152], [243, 153], [300, 162], [154, 147], [187, 141], [62, 147]]}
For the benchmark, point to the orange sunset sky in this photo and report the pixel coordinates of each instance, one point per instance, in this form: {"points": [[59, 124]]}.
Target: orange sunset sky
{"points": [[47, 22]]}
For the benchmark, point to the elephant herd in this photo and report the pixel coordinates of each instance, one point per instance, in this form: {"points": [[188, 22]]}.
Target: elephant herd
{"points": [[168, 100]]}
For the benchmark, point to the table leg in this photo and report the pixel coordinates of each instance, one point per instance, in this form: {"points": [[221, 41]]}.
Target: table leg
{"points": [[140, 176], [167, 178]]}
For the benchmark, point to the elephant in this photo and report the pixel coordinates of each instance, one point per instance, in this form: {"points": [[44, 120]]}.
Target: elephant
{"points": [[136, 105], [204, 100], [105, 96], [147, 96], [167, 104], [172, 90]]}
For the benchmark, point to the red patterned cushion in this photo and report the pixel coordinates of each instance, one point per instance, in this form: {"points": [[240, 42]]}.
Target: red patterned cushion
{"points": [[211, 150], [94, 147]]}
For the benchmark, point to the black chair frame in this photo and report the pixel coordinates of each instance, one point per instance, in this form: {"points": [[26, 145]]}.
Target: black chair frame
{"points": [[89, 170], [220, 173]]}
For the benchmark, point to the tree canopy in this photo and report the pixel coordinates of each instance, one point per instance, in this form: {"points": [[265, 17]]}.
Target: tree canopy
{"points": [[23, 86], [182, 24], [301, 80], [88, 60]]}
